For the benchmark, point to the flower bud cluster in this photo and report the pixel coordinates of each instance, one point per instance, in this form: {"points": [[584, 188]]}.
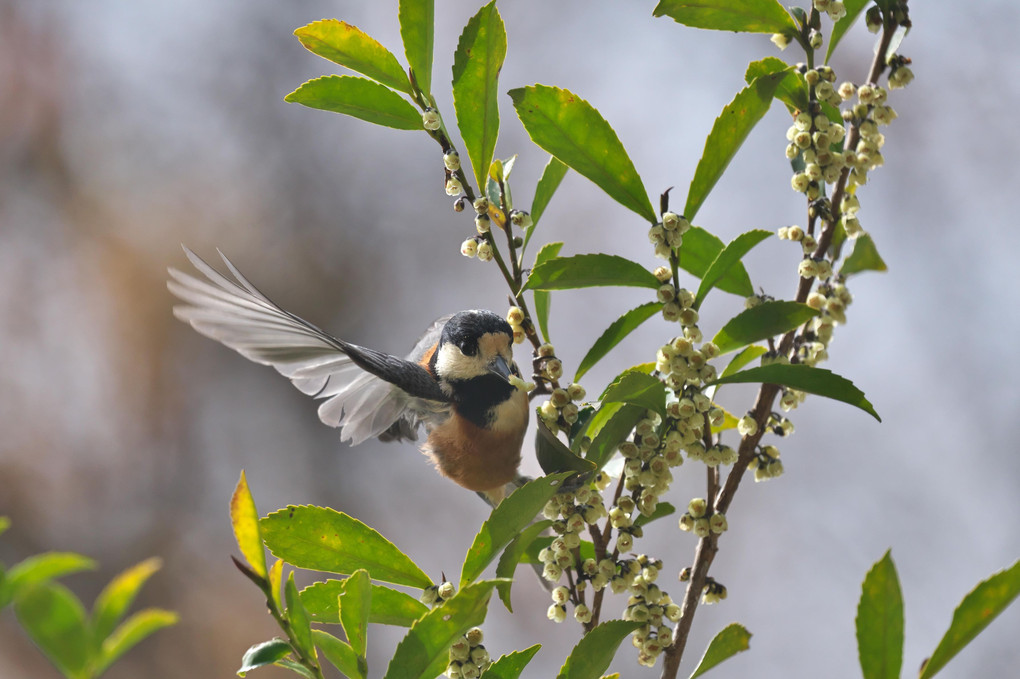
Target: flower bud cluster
{"points": [[791, 398], [434, 595], [698, 520], [834, 8], [647, 475], [685, 368], [571, 513], [477, 246], [649, 605], [560, 411], [515, 317], [766, 463], [668, 235], [468, 657], [520, 219]]}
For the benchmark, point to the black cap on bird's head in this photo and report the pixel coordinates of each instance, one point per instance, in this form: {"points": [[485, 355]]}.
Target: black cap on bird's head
{"points": [[474, 344]]}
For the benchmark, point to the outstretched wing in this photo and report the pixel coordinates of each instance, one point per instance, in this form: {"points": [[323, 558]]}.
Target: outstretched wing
{"points": [[367, 391]]}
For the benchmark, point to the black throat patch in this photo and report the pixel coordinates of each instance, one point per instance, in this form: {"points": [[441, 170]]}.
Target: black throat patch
{"points": [[476, 398]]}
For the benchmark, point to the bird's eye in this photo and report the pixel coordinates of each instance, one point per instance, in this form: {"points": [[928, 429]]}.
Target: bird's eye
{"points": [[468, 348]]}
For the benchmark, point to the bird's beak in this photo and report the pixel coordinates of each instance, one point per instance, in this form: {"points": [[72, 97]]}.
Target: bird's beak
{"points": [[499, 366]]}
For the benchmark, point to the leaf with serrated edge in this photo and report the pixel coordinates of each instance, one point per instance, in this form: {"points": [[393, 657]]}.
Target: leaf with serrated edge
{"points": [[586, 271], [816, 381], [360, 98], [839, 29], [423, 652], [638, 389], [609, 436], [614, 334], [355, 606], [116, 597], [55, 620], [700, 249], [340, 654], [792, 90], [506, 521], [262, 654], [511, 665], [131, 632], [977, 610], [323, 539], [417, 30], [512, 556], [388, 606], [729, 256], [728, 133], [752, 16], [592, 655], [865, 257], [552, 175], [571, 129], [244, 518], [743, 358], [349, 46], [879, 622], [476, 65], [542, 298], [296, 615], [731, 640], [763, 321]]}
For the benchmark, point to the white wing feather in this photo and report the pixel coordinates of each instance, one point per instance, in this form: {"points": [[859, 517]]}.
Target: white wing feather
{"points": [[242, 318]]}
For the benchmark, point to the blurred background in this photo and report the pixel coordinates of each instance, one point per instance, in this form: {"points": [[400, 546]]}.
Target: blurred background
{"points": [[127, 129]]}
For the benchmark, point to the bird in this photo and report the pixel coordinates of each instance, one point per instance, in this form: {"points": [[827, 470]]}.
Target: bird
{"points": [[459, 383]]}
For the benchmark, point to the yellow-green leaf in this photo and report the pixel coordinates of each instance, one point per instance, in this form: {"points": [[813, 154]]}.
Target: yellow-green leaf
{"points": [[731, 640], [349, 46], [417, 30], [244, 518], [752, 16], [117, 596], [360, 98]]}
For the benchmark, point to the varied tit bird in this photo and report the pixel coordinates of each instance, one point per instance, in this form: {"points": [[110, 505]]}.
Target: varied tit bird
{"points": [[456, 382]]}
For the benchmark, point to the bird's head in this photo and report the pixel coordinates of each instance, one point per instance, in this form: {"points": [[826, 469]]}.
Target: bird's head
{"points": [[475, 346]]}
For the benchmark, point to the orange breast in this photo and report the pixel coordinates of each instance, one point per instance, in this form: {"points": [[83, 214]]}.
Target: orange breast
{"points": [[480, 458]]}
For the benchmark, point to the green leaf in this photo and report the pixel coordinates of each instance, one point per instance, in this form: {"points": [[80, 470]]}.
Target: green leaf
{"points": [[586, 271], [323, 539], [614, 334], [360, 98], [117, 596], [276, 582], [637, 388], [265, 653], [571, 129], [507, 520], [766, 320], [417, 30], [355, 606], [743, 358], [349, 46], [476, 65], [388, 606], [729, 256], [244, 518], [880, 622], [297, 616], [553, 456], [595, 651], [552, 175], [512, 556], [542, 298], [296, 667], [5, 523], [40, 568], [977, 610], [55, 620], [728, 133], [585, 551], [423, 652], [662, 509], [700, 249], [130, 633], [615, 430], [511, 665], [750, 16], [805, 378], [865, 257], [839, 29], [340, 654], [731, 640], [792, 89]]}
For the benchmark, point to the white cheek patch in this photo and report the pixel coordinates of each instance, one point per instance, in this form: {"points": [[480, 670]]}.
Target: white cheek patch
{"points": [[452, 364]]}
